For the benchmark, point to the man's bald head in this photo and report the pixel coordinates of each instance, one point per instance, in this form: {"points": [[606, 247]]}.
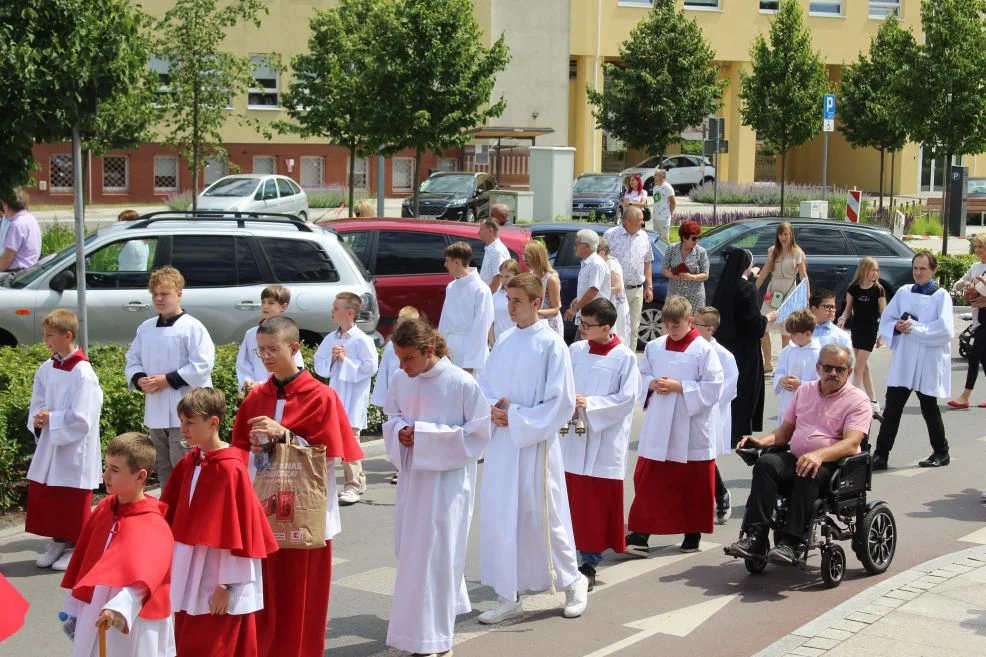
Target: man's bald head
{"points": [[633, 219], [500, 212]]}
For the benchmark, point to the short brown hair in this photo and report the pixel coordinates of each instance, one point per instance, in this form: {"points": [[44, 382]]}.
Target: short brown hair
{"points": [[932, 259], [17, 200], [491, 224], [676, 308], [283, 327], [529, 283], [510, 265], [136, 448], [407, 313], [128, 215], [351, 301], [203, 403], [460, 251], [711, 312], [800, 321], [278, 293], [419, 334], [62, 320], [167, 276]]}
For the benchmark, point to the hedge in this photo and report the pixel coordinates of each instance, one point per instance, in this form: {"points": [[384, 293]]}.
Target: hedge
{"points": [[123, 409]]}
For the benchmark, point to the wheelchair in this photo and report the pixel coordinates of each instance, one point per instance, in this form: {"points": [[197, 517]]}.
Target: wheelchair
{"points": [[841, 513]]}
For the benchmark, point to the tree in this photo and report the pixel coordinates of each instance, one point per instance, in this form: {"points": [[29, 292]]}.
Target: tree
{"points": [[439, 77], [869, 99], [944, 84], [337, 88], [667, 82], [782, 95], [202, 78]]}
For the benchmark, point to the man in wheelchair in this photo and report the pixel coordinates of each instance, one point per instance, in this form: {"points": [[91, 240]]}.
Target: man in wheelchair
{"points": [[826, 420]]}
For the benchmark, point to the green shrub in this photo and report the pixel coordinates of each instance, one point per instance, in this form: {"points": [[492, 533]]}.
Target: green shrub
{"points": [[56, 237], [952, 267], [179, 202], [123, 409]]}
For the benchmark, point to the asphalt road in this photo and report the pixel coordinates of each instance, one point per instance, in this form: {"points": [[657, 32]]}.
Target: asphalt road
{"points": [[669, 604]]}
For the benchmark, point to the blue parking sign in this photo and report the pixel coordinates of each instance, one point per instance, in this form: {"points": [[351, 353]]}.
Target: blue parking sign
{"points": [[828, 111]]}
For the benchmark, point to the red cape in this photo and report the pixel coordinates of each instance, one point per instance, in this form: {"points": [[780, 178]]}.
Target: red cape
{"points": [[13, 609], [312, 410], [140, 553], [225, 513]]}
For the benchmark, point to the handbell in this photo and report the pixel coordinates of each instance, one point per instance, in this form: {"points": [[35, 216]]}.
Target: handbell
{"points": [[579, 426], [564, 430]]}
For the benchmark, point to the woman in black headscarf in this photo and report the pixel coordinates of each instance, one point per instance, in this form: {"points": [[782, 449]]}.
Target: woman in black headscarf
{"points": [[740, 328]]}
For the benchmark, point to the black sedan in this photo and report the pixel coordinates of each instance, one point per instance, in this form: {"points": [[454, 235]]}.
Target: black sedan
{"points": [[597, 196], [454, 195], [833, 250]]}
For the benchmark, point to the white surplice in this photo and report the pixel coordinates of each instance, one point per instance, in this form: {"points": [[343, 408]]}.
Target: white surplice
{"points": [[794, 361], [181, 345], [351, 376], [501, 314], [531, 368], [678, 426], [68, 449], [435, 496], [922, 359], [248, 363], [610, 385], [723, 421], [389, 366], [467, 315]]}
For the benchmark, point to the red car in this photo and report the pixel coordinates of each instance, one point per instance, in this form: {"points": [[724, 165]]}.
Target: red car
{"points": [[405, 258]]}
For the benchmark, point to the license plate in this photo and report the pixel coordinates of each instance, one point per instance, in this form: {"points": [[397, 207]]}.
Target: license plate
{"points": [[580, 213]]}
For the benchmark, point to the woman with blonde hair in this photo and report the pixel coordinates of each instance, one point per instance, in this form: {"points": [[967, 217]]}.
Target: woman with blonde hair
{"points": [[865, 302], [536, 257], [365, 208], [786, 262]]}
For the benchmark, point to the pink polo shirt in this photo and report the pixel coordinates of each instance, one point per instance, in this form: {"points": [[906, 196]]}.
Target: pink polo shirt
{"points": [[821, 421]]}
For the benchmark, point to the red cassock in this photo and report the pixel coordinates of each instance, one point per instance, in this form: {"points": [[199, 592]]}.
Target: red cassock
{"points": [[296, 582], [140, 553], [224, 514], [13, 609]]}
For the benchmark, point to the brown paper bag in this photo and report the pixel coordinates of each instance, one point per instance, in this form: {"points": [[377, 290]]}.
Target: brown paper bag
{"points": [[292, 493]]}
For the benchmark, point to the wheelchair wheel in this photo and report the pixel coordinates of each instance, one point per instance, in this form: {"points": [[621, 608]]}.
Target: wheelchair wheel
{"points": [[755, 566], [878, 539], [833, 565]]}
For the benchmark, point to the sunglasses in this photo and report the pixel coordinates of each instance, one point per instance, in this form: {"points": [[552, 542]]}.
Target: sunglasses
{"points": [[834, 369]]}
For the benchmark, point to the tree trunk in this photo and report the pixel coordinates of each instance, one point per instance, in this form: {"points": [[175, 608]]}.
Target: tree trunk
{"points": [[783, 177], [196, 145], [893, 162], [417, 178], [352, 177], [883, 152], [946, 196]]}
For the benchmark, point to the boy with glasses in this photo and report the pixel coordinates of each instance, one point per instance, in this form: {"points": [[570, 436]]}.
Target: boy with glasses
{"points": [[822, 306], [250, 368]]}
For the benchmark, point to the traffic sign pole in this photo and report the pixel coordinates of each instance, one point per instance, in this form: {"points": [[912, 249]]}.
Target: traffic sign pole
{"points": [[828, 125]]}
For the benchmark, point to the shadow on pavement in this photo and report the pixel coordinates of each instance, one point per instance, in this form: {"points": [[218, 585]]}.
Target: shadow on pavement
{"points": [[957, 506]]}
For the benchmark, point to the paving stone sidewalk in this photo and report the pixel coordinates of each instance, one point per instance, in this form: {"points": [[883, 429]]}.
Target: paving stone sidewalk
{"points": [[937, 609]]}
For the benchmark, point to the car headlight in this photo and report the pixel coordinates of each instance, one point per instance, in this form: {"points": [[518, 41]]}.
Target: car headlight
{"points": [[607, 204], [458, 201]]}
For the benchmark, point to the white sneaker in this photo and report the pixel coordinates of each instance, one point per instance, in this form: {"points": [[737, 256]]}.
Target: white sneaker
{"points": [[50, 554], [502, 612], [348, 497], [577, 597], [62, 564]]}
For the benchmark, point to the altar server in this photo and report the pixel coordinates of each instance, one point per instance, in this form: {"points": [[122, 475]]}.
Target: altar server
{"points": [[467, 313], [798, 361], [250, 370]]}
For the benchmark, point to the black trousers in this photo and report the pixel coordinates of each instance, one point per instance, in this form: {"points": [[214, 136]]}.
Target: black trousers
{"points": [[977, 356], [773, 475], [897, 397]]}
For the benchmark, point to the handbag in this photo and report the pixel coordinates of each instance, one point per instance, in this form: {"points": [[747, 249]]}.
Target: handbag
{"points": [[777, 298]]}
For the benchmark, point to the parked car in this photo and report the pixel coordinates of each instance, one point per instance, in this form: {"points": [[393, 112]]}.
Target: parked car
{"points": [[684, 171], [226, 263], [406, 259], [559, 239], [833, 250], [598, 195], [455, 195], [255, 192]]}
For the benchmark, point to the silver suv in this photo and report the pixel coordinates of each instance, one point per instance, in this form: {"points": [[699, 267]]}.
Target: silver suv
{"points": [[226, 261]]}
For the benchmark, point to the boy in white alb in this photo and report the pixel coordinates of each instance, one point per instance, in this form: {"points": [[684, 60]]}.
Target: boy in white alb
{"points": [[64, 415], [607, 383], [347, 357], [796, 364], [250, 369], [438, 427], [467, 313], [171, 354], [389, 366], [706, 321], [526, 527]]}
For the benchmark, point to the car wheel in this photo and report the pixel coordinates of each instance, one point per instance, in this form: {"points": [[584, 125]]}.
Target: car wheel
{"points": [[708, 180], [303, 216], [470, 216], [651, 325]]}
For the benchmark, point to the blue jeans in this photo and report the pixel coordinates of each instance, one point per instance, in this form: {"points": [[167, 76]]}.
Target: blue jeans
{"points": [[591, 558]]}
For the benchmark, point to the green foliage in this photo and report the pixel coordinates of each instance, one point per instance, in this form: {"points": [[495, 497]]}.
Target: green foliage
{"points": [[668, 81], [782, 95], [952, 267], [179, 202], [56, 237]]}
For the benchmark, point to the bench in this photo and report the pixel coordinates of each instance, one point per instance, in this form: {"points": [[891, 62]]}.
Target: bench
{"points": [[975, 205]]}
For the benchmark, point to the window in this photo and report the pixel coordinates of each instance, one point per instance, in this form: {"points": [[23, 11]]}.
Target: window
{"points": [[121, 265], [61, 175], [701, 4], [402, 254], [247, 269], [205, 260], [403, 174], [116, 173], [825, 8], [884, 8], [264, 164], [552, 243], [312, 171], [269, 190], [815, 241], [448, 164], [358, 241], [759, 240], [769, 5], [214, 170], [162, 67], [298, 261], [361, 176], [640, 3], [870, 245], [478, 249], [284, 187], [165, 174], [263, 93]]}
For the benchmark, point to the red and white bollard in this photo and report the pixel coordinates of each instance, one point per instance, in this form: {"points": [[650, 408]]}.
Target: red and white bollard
{"points": [[852, 205]]}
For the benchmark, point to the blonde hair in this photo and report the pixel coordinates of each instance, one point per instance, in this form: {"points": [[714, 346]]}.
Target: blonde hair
{"points": [[166, 276], [676, 309], [510, 265], [278, 293], [868, 264], [978, 240], [62, 320], [364, 208], [136, 448], [203, 403], [351, 301], [529, 283], [406, 314], [536, 256], [711, 312]]}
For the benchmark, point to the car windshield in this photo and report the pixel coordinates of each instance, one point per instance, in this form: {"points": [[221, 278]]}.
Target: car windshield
{"points": [[29, 275], [716, 238], [233, 187], [650, 162], [597, 184], [658, 243], [977, 185], [448, 185]]}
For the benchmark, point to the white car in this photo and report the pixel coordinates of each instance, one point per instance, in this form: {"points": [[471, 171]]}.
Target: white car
{"points": [[684, 171], [255, 192]]}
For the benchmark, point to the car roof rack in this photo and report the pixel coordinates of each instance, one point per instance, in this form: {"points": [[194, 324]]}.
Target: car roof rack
{"points": [[222, 215]]}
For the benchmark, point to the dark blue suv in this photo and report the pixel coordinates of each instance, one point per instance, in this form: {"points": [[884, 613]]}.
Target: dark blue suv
{"points": [[559, 239], [597, 196]]}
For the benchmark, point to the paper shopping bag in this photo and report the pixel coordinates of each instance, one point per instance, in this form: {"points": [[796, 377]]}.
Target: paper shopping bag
{"points": [[292, 493]]}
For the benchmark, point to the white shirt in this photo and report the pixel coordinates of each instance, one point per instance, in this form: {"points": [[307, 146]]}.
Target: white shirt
{"points": [[389, 366], [921, 359], [794, 361], [594, 272], [494, 255], [467, 315], [249, 367], [632, 251], [351, 376], [724, 423], [133, 256], [662, 206], [501, 313]]}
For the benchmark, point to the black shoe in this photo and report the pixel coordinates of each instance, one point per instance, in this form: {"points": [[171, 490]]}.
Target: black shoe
{"points": [[877, 416], [748, 547], [936, 460], [690, 544], [637, 544], [783, 555], [879, 462], [590, 574]]}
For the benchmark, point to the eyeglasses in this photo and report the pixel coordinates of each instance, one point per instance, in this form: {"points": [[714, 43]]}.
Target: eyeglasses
{"points": [[266, 351], [833, 369], [827, 306], [703, 325], [584, 325]]}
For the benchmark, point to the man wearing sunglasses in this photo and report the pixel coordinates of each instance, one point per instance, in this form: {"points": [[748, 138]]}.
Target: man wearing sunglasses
{"points": [[824, 422]]}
